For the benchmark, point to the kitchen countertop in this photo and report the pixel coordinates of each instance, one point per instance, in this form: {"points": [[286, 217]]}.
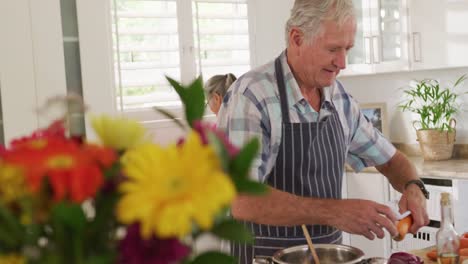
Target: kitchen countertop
{"points": [[453, 168], [422, 254]]}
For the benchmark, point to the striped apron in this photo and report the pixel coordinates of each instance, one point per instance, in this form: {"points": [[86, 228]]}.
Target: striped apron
{"points": [[310, 163]]}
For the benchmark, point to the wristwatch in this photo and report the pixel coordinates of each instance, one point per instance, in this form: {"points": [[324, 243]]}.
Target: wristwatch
{"points": [[421, 186]]}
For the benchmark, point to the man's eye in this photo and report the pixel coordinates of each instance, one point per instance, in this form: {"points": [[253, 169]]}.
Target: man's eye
{"points": [[333, 50]]}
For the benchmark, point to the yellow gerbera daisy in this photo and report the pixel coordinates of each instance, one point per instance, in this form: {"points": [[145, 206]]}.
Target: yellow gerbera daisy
{"points": [[170, 188], [12, 185], [118, 132], [12, 259]]}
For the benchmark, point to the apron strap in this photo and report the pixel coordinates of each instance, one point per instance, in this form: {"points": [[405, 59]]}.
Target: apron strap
{"points": [[282, 90]]}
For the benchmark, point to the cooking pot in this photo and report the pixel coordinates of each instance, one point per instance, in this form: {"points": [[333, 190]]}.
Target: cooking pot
{"points": [[327, 253]]}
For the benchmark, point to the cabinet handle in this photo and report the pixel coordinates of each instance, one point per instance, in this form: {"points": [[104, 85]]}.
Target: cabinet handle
{"points": [[376, 48], [368, 50], [417, 56]]}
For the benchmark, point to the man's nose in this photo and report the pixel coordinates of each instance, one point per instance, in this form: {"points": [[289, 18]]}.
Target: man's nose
{"points": [[340, 60]]}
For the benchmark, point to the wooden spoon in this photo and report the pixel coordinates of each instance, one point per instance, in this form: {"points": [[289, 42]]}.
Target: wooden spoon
{"points": [[311, 246]]}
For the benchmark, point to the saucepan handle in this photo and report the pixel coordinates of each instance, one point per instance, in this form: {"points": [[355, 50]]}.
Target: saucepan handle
{"points": [[262, 260]]}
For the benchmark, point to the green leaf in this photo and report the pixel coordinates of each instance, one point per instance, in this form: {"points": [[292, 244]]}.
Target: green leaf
{"points": [[219, 149], [104, 259], [10, 223], [241, 164], [234, 231], [32, 233], [249, 186], [213, 257], [104, 223], [169, 115], [180, 90], [113, 170], [192, 97], [195, 103], [460, 80], [70, 214], [7, 241]]}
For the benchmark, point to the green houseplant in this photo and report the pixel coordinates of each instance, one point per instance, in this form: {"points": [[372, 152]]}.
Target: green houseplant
{"points": [[436, 108]]}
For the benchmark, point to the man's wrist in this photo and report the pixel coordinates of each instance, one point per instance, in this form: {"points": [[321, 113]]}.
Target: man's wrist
{"points": [[419, 184]]}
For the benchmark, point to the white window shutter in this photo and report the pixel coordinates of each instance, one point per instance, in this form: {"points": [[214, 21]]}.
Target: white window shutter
{"points": [[178, 38], [221, 34]]}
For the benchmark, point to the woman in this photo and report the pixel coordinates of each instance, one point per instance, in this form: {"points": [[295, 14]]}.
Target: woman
{"points": [[215, 88]]}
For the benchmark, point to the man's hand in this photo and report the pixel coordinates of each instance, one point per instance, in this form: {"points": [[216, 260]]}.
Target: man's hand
{"points": [[362, 217], [413, 200]]}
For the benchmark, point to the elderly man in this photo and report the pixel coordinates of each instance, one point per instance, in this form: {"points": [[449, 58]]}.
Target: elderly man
{"points": [[309, 126]]}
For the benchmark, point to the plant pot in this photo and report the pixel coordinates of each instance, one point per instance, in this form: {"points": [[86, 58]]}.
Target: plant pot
{"points": [[436, 144]]}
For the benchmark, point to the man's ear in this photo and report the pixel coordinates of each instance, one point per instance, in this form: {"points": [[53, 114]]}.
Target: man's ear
{"points": [[296, 37]]}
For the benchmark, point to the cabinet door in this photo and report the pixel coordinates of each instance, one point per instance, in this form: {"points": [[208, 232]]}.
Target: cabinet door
{"points": [[359, 59], [32, 66], [381, 39], [438, 33], [17, 82], [388, 41], [369, 186]]}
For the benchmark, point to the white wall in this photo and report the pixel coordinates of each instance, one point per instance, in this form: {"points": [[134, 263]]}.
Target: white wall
{"points": [[266, 20], [386, 88]]}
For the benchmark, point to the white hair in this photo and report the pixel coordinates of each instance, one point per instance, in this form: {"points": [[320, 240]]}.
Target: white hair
{"points": [[308, 15]]}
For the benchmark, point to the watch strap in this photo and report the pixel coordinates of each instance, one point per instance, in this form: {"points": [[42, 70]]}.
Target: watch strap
{"points": [[421, 186]]}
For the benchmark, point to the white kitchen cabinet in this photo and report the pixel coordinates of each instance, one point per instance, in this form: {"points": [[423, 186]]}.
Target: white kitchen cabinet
{"points": [[369, 186], [32, 66], [438, 33], [381, 39]]}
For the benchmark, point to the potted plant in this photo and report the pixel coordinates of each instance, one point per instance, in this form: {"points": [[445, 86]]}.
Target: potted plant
{"points": [[436, 107]]}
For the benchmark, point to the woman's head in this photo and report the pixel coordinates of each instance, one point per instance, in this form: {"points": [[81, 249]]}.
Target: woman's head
{"points": [[215, 88]]}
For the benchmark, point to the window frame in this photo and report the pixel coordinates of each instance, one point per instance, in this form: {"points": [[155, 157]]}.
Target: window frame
{"points": [[187, 50]]}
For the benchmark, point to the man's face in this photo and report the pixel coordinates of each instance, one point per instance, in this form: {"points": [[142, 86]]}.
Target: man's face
{"points": [[320, 61]]}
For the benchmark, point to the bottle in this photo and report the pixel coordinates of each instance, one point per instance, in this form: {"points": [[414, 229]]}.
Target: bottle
{"points": [[448, 242]]}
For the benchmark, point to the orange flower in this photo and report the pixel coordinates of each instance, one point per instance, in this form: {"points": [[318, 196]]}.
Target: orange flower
{"points": [[56, 130], [103, 155], [73, 171]]}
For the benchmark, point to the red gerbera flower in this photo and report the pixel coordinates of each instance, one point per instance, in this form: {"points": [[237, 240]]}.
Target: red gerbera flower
{"points": [[56, 130], [71, 170]]}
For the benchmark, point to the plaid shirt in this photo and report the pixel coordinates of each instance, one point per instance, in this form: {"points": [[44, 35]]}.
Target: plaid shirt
{"points": [[251, 108]]}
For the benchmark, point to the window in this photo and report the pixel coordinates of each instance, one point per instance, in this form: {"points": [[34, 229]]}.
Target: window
{"points": [[178, 38]]}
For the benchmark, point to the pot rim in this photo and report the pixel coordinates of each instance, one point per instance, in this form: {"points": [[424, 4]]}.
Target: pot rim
{"points": [[276, 257]]}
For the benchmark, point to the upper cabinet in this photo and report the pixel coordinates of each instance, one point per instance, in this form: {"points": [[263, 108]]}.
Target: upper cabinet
{"points": [[438, 33], [381, 43], [400, 35]]}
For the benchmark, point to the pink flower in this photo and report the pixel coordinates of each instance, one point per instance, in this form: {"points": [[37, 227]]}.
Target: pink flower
{"points": [[204, 128], [135, 250]]}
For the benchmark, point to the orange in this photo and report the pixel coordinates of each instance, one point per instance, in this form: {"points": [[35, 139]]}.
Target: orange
{"points": [[464, 241], [432, 254], [463, 252], [403, 227]]}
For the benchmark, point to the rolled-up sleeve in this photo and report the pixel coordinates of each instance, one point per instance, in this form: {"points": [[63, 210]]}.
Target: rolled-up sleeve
{"points": [[367, 146], [242, 120]]}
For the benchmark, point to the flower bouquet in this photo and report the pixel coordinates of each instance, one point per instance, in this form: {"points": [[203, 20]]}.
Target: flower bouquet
{"points": [[124, 199]]}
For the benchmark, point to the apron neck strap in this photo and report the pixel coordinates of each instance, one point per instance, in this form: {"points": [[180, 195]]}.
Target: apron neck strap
{"points": [[282, 90]]}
